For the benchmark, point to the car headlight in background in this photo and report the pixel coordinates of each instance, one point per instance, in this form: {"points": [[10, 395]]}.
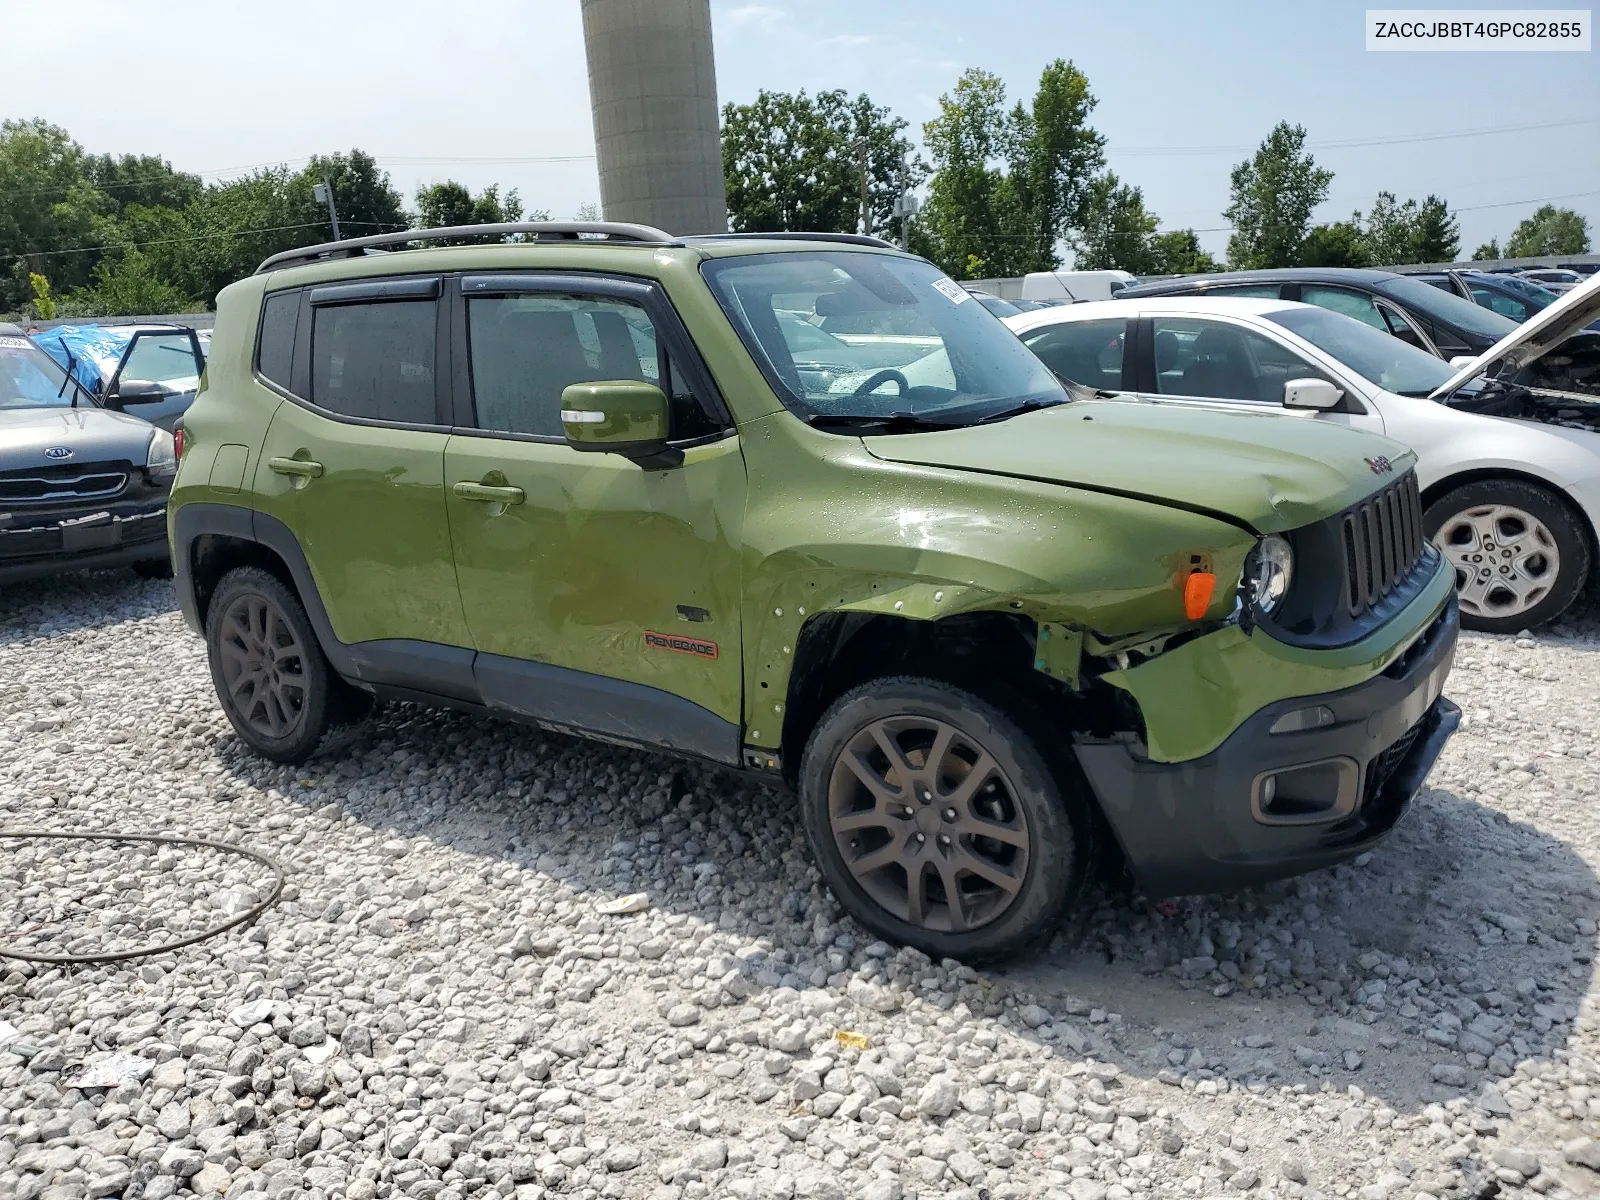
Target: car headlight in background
{"points": [[1268, 571], [163, 454]]}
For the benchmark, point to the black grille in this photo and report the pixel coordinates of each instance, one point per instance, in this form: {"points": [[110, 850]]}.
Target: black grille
{"points": [[1381, 768], [77, 481], [1382, 542]]}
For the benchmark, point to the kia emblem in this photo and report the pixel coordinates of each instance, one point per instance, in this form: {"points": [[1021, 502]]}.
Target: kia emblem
{"points": [[1380, 465], [58, 452]]}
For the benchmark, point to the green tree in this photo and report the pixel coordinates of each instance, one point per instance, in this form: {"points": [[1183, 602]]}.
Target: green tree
{"points": [[362, 194], [128, 284], [1273, 194], [1179, 253], [1341, 244], [1389, 230], [47, 205], [1550, 230], [1436, 235], [44, 304], [1054, 156], [144, 179], [449, 203], [1117, 230], [1009, 185], [1487, 252], [793, 162]]}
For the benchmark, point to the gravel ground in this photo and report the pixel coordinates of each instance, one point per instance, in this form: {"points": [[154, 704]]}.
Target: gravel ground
{"points": [[437, 1008]]}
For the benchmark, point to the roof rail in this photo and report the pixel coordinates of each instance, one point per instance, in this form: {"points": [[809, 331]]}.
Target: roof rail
{"points": [[555, 231], [852, 239]]}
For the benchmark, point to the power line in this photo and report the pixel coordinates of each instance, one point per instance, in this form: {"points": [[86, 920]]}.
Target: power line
{"points": [[383, 227], [1357, 143]]}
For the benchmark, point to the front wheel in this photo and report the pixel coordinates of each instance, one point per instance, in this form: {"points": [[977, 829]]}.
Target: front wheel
{"points": [[938, 822], [1520, 555]]}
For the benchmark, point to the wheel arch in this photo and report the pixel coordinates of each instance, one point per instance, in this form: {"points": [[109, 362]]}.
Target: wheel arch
{"points": [[1441, 487]]}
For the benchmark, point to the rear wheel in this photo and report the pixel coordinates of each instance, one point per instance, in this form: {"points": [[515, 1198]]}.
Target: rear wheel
{"points": [[1520, 555], [275, 684], [937, 821]]}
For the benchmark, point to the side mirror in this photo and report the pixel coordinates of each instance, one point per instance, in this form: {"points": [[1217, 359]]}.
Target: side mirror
{"points": [[136, 391], [619, 416], [1311, 393]]}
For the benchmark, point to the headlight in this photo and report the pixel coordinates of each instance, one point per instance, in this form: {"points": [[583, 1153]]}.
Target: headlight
{"points": [[163, 454], [1268, 571]]}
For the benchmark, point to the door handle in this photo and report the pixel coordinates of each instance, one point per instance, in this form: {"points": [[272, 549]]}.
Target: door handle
{"points": [[301, 467], [488, 494]]}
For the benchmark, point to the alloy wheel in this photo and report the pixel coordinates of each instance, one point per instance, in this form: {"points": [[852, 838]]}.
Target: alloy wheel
{"points": [[929, 824], [1506, 559], [263, 666]]}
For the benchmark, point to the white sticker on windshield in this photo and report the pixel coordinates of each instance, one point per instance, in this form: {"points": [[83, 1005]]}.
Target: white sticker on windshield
{"points": [[14, 343], [951, 290]]}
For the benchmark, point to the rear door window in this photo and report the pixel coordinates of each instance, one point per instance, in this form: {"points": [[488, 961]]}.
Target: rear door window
{"points": [[1342, 300], [375, 361], [1257, 291], [1086, 352]]}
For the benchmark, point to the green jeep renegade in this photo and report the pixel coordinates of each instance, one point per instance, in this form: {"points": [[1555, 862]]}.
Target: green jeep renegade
{"points": [[797, 504]]}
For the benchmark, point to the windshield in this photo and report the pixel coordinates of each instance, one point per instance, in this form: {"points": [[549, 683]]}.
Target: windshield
{"points": [[1377, 357], [1451, 309], [898, 340], [30, 378]]}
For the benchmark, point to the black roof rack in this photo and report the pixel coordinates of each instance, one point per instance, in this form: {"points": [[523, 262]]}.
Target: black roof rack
{"points": [[606, 232], [852, 239]]}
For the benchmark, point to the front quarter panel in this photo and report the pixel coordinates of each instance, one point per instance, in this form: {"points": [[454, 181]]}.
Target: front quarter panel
{"points": [[831, 528]]}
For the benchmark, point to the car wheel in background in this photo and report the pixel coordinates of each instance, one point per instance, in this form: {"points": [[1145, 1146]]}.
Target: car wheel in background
{"points": [[1520, 553], [937, 822], [275, 684]]}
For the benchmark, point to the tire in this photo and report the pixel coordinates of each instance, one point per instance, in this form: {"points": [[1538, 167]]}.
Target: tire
{"points": [[1048, 837], [295, 703], [1520, 552], [153, 568]]}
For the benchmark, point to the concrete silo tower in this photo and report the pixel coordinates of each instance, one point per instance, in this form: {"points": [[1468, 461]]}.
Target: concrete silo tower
{"points": [[653, 88]]}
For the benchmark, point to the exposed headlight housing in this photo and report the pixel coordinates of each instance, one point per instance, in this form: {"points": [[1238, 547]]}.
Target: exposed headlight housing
{"points": [[1268, 571], [162, 456]]}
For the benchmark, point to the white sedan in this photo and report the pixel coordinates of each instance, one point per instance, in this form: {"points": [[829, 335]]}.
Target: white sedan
{"points": [[1513, 501]]}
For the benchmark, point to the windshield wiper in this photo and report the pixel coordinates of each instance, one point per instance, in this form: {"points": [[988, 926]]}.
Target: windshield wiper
{"points": [[895, 422], [1017, 410]]}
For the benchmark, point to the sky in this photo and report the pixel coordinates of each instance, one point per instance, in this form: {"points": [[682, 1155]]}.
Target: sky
{"points": [[487, 91]]}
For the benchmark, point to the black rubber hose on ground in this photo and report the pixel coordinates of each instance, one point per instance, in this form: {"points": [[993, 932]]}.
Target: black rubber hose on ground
{"points": [[160, 839]]}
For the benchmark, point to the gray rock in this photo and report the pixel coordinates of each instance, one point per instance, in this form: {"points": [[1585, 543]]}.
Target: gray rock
{"points": [[938, 1097]]}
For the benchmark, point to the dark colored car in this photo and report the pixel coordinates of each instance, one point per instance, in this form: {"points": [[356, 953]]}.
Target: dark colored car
{"points": [[1443, 324], [151, 371], [80, 486], [1512, 296]]}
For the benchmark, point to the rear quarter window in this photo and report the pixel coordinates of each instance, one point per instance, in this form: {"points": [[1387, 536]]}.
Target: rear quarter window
{"points": [[280, 314]]}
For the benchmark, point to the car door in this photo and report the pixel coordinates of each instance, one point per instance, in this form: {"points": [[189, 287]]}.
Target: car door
{"points": [[1225, 364], [169, 359], [1086, 352], [600, 594], [353, 465]]}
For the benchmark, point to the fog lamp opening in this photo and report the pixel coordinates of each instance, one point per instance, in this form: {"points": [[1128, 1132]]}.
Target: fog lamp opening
{"points": [[1306, 794]]}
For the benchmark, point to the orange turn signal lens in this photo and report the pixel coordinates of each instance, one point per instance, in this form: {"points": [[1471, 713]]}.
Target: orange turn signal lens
{"points": [[1197, 592]]}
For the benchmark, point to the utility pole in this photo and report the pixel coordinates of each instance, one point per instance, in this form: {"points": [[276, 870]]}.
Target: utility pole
{"points": [[866, 197], [905, 207], [323, 192]]}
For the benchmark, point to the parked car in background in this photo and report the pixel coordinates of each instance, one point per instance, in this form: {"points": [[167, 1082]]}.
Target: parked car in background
{"points": [[1555, 278], [1509, 295], [150, 371], [1444, 325], [999, 307], [80, 486], [1509, 469], [1074, 286], [1585, 269]]}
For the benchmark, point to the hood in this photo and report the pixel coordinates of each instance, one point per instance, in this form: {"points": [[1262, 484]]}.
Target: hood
{"points": [[91, 434], [1536, 336], [1267, 471]]}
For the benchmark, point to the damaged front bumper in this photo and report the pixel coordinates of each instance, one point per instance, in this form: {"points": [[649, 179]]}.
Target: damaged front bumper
{"points": [[1302, 782], [40, 543]]}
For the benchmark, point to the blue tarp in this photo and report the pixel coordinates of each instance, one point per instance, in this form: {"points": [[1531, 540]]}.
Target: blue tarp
{"points": [[95, 349]]}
